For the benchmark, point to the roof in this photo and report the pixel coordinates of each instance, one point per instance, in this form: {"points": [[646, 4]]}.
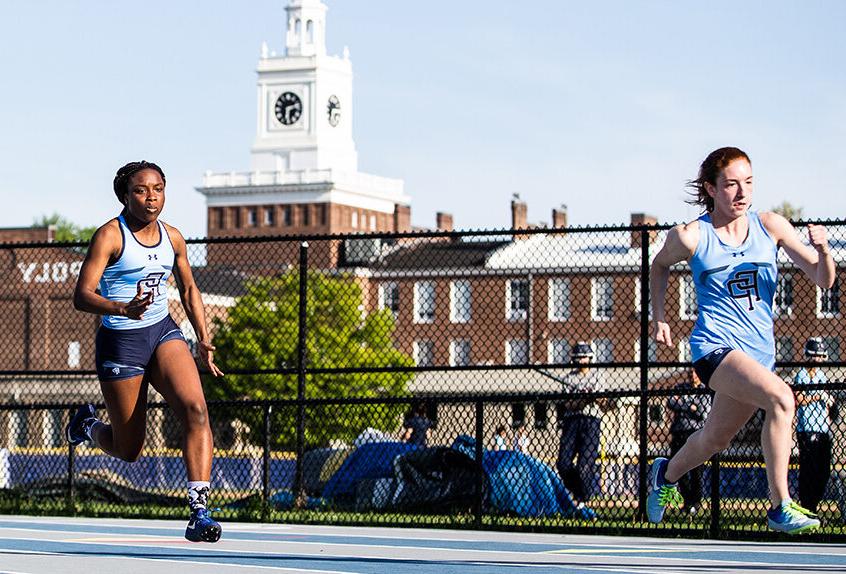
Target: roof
{"points": [[438, 255]]}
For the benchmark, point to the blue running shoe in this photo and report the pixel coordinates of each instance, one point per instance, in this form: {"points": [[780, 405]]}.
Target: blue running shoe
{"points": [[661, 493], [791, 518], [77, 430], [584, 512], [202, 527]]}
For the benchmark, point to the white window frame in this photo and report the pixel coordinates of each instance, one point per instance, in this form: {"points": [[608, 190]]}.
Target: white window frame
{"points": [[418, 349], [389, 292], [460, 301], [372, 223], [558, 291], [687, 293], [828, 314], [779, 348], [460, 353], [267, 216], [424, 314], [832, 345], [512, 346], [354, 220], [564, 355], [685, 353], [780, 309], [252, 217], [603, 313], [513, 313], [74, 354], [651, 353]]}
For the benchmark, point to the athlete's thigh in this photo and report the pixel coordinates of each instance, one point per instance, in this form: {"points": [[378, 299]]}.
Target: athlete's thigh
{"points": [[747, 381], [126, 403], [173, 373], [727, 417]]}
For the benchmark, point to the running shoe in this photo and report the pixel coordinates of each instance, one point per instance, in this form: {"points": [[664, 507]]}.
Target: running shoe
{"points": [[202, 527], [791, 518], [661, 493], [584, 512], [77, 430]]}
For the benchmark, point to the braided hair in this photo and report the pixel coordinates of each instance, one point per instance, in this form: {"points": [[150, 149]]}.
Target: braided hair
{"points": [[121, 183]]}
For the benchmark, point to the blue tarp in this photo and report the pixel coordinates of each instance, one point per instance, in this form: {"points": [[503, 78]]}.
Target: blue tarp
{"points": [[372, 460]]}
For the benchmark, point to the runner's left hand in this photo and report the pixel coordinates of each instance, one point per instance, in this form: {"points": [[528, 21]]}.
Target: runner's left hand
{"points": [[205, 351]]}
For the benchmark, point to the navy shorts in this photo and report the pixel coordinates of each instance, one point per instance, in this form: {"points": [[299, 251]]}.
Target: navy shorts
{"points": [[125, 353], [706, 366]]}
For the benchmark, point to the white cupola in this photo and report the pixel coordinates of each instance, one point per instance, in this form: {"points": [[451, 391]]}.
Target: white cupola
{"points": [[306, 34]]}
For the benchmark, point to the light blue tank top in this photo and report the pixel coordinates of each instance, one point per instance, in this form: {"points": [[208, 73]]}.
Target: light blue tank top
{"points": [[735, 287], [138, 264]]}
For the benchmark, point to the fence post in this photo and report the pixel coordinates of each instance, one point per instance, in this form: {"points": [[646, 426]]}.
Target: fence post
{"points": [[301, 367], [71, 458], [715, 496], [478, 503], [265, 468], [643, 359]]}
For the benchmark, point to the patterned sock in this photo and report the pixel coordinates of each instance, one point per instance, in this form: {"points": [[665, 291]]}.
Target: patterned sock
{"points": [[198, 494], [88, 426]]}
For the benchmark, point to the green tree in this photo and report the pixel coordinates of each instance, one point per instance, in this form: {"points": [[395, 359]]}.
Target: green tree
{"points": [[66, 230], [789, 211], [261, 333]]}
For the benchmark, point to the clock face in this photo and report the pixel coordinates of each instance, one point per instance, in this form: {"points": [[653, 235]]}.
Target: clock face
{"points": [[334, 110], [289, 108]]}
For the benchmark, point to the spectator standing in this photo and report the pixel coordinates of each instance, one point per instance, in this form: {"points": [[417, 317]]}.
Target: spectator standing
{"points": [[580, 423], [521, 441], [500, 440], [813, 427], [416, 425], [689, 413]]}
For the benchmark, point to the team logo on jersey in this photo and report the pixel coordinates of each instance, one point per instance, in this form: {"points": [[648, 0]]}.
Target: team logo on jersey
{"points": [[744, 285], [151, 282]]}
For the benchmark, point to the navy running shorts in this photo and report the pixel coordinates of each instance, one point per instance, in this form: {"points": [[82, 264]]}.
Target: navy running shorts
{"points": [[706, 365], [125, 353]]}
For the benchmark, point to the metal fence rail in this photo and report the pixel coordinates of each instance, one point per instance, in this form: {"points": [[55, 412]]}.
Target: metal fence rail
{"points": [[329, 342]]}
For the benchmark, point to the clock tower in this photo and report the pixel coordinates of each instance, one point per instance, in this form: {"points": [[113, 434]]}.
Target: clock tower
{"points": [[303, 174]]}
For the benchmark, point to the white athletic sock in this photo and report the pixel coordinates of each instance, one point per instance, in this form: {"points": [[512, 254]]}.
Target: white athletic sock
{"points": [[198, 493]]}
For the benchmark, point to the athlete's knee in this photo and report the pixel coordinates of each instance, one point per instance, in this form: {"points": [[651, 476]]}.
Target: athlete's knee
{"points": [[712, 442], [196, 414], [782, 403]]}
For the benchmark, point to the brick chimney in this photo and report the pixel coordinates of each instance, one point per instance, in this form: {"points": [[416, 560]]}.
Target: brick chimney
{"points": [[444, 221], [519, 211], [643, 219], [559, 217], [402, 218]]}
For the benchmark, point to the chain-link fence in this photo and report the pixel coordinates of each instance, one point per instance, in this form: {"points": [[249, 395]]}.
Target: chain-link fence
{"points": [[482, 379]]}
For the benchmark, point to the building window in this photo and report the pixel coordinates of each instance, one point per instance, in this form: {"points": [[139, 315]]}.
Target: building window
{"points": [[604, 350], [460, 301], [18, 428], [286, 215], [685, 354], [459, 353], [389, 297], [305, 215], [74, 354], [424, 302], [558, 351], [236, 217], [784, 349], [516, 352], [688, 307], [516, 299], [372, 223], [559, 299], [424, 353], [354, 220], [252, 217], [268, 216], [828, 301], [321, 213], [217, 218], [832, 345], [518, 414], [601, 298], [541, 415], [637, 305], [783, 299], [651, 352]]}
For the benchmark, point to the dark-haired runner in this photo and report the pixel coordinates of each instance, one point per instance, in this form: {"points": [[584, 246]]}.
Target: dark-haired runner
{"points": [[732, 254], [130, 259]]}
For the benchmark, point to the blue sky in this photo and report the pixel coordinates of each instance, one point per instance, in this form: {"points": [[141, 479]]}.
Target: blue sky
{"points": [[605, 106]]}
